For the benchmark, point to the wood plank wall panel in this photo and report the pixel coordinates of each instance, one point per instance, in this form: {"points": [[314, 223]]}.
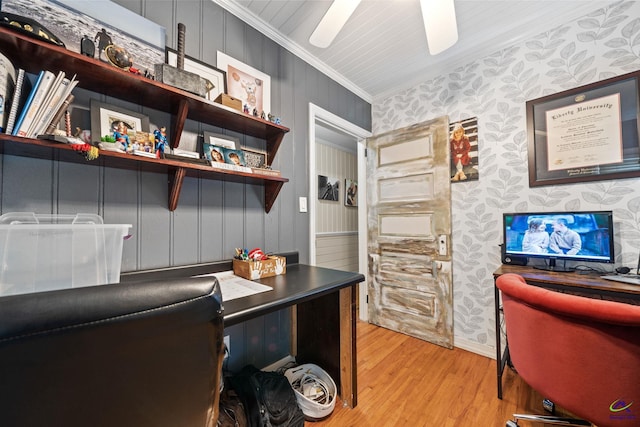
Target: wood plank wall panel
{"points": [[27, 184], [212, 217], [339, 251]]}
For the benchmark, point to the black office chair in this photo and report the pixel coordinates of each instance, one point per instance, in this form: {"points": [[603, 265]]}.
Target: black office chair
{"points": [[125, 355]]}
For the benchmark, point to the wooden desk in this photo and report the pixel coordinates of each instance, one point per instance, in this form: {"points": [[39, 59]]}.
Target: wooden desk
{"points": [[325, 327], [325, 301], [589, 285]]}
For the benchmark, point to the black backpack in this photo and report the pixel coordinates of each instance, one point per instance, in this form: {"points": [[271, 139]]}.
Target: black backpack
{"points": [[268, 398]]}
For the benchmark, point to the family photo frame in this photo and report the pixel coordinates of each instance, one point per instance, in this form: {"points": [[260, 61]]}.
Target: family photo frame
{"points": [[215, 145], [588, 133]]}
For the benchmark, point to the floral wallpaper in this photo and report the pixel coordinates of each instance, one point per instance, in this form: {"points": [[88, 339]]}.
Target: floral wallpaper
{"points": [[597, 46]]}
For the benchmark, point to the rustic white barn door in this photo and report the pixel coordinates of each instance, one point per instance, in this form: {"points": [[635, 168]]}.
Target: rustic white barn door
{"points": [[409, 231]]}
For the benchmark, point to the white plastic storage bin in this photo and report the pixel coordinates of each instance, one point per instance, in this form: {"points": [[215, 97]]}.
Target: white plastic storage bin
{"points": [[315, 390], [46, 252]]}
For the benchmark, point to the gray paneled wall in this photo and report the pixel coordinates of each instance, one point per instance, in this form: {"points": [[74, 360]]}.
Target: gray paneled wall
{"points": [[213, 217]]}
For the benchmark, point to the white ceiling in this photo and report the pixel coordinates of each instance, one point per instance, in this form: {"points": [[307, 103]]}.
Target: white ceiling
{"points": [[383, 49]]}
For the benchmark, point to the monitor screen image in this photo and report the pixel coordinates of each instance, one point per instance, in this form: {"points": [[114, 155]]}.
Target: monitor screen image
{"points": [[574, 236]]}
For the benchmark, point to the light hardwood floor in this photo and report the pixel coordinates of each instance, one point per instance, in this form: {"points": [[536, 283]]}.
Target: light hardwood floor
{"points": [[403, 381]]}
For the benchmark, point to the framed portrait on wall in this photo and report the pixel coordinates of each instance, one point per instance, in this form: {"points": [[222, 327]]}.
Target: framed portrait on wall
{"points": [[350, 192], [463, 138]]}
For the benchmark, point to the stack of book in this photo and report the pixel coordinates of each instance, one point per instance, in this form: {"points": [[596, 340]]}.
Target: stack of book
{"points": [[44, 104]]}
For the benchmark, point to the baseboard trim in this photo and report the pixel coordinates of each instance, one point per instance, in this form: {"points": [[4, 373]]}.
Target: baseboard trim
{"points": [[475, 347]]}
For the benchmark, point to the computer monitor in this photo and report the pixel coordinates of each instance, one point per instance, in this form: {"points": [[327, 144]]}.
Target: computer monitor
{"points": [[567, 235]]}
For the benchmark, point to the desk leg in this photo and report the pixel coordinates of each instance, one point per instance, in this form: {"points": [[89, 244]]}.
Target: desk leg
{"points": [[326, 337], [348, 366], [499, 364]]}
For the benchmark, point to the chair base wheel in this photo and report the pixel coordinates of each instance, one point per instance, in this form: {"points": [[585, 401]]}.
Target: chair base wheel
{"points": [[512, 424]]}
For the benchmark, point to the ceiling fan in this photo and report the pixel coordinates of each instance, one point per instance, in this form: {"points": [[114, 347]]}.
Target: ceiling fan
{"points": [[439, 18]]}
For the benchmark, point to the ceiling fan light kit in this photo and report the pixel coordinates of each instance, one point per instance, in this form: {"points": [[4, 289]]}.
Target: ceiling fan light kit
{"points": [[439, 18], [332, 22]]}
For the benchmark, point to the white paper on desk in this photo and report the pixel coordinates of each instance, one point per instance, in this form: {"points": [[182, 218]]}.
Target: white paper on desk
{"points": [[233, 286]]}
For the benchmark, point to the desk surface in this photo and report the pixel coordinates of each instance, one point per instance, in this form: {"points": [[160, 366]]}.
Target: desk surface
{"points": [[588, 282], [300, 283]]}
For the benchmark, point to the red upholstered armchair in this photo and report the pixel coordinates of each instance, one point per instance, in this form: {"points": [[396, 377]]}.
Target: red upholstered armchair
{"points": [[581, 353]]}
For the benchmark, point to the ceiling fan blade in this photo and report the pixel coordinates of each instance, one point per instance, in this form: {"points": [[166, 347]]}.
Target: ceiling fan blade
{"points": [[332, 22], [440, 24]]}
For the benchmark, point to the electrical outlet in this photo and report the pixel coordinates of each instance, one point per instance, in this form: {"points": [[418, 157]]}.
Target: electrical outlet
{"points": [[227, 343]]}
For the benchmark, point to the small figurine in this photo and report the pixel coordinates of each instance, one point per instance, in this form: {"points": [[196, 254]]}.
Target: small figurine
{"points": [[87, 47], [262, 115], [246, 108], [121, 137], [104, 40], [255, 112], [161, 141]]}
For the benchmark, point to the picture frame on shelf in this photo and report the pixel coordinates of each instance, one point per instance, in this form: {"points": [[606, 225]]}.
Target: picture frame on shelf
{"points": [[588, 133], [255, 158], [221, 140], [105, 116], [216, 76], [234, 157], [215, 144], [214, 153], [143, 38], [246, 83]]}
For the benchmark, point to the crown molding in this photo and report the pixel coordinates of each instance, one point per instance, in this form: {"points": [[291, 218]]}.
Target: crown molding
{"points": [[255, 22]]}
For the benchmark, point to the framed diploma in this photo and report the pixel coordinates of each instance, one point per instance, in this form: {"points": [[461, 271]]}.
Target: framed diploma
{"points": [[588, 133]]}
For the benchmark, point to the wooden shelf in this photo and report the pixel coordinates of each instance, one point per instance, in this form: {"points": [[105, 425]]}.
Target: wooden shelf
{"points": [[34, 55], [177, 171]]}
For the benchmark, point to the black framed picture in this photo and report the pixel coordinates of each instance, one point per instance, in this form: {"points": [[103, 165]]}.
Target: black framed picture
{"points": [[328, 188], [215, 77], [255, 158]]}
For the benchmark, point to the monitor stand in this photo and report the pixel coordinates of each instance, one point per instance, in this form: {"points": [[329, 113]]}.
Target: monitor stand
{"points": [[552, 266]]}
